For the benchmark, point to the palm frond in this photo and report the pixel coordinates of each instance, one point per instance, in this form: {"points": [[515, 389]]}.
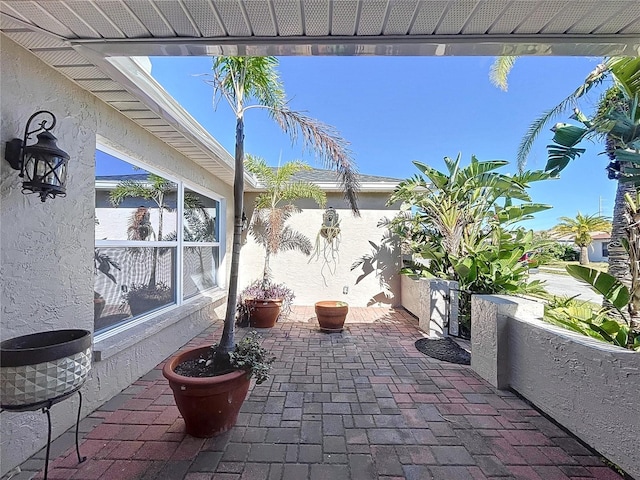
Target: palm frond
{"points": [[327, 144], [291, 240], [534, 130], [296, 190], [500, 70]]}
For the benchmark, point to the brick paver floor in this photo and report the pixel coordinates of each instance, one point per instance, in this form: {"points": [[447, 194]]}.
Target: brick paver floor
{"points": [[363, 404]]}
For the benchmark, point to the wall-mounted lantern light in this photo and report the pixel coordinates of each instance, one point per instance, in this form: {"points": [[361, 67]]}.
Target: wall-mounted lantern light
{"points": [[42, 164]]}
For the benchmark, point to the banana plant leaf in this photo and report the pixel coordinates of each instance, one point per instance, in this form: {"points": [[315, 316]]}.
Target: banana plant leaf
{"points": [[569, 135], [603, 283], [560, 156]]}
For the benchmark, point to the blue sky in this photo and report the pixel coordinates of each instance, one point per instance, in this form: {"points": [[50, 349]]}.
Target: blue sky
{"points": [[394, 110]]}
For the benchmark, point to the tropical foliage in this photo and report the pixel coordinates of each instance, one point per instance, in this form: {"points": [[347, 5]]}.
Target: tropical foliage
{"points": [[253, 83], [580, 228], [461, 225], [617, 122], [582, 318]]}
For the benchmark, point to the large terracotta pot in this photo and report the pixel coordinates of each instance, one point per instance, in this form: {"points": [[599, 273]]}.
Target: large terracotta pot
{"points": [[208, 405], [264, 313], [331, 315]]}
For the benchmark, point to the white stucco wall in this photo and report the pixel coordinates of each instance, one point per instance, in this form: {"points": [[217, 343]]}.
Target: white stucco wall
{"points": [[313, 279], [46, 255], [590, 387]]}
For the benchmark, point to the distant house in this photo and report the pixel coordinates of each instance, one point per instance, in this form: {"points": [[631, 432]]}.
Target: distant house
{"points": [[598, 250]]}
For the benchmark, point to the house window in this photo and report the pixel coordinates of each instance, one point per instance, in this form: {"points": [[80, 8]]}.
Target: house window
{"points": [[157, 241], [605, 249]]}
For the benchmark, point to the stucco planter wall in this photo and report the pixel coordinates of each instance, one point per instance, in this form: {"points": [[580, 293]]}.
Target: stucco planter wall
{"points": [[58, 236], [410, 294], [433, 301], [590, 387]]}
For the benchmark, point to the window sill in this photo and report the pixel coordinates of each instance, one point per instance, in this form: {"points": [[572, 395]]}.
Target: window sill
{"points": [[110, 346]]}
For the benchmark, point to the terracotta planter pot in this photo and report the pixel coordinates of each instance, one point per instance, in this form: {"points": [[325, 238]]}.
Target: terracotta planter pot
{"points": [[264, 313], [331, 315], [208, 405]]}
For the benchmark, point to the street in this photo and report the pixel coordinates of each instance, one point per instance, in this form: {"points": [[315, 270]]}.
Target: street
{"points": [[568, 286]]}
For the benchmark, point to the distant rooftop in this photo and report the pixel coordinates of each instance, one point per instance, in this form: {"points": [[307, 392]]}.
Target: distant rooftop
{"points": [[315, 175], [318, 175]]}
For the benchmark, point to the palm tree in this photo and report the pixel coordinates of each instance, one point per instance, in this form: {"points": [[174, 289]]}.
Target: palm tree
{"points": [[154, 188], [581, 229], [239, 80], [617, 121], [275, 206]]}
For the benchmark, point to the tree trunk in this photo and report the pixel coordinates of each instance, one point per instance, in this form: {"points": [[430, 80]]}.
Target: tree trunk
{"points": [[584, 255], [154, 265], [227, 341], [618, 256], [265, 272]]}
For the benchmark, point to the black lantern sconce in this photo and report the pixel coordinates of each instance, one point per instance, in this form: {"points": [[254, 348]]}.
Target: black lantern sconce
{"points": [[42, 164]]}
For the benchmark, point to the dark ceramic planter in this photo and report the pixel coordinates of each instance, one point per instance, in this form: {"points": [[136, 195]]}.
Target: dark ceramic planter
{"points": [[331, 315], [264, 313], [43, 367], [209, 405]]}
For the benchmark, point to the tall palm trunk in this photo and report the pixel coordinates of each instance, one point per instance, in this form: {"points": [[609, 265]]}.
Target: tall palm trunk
{"points": [[154, 265], [584, 255], [265, 272], [227, 341], [618, 256]]}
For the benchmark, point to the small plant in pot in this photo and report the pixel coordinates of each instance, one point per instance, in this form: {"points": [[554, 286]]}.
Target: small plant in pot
{"points": [[238, 80], [262, 303]]}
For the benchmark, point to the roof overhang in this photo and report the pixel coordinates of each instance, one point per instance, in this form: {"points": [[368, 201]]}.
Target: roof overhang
{"points": [[85, 41], [415, 45]]}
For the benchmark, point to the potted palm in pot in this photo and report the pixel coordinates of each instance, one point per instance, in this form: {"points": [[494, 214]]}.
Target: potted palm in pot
{"points": [[263, 300], [238, 79]]}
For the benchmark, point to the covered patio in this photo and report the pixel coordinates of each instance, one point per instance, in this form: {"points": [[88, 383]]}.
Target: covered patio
{"points": [[362, 404]]}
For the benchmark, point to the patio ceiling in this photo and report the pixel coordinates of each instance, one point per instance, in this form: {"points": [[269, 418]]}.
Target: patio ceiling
{"points": [[78, 37]]}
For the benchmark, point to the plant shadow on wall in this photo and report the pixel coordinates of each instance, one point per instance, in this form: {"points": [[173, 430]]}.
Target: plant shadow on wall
{"points": [[328, 243], [461, 225], [263, 302], [382, 261]]}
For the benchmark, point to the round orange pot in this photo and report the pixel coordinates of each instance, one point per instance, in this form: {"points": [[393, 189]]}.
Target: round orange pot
{"points": [[264, 313], [331, 315], [208, 405]]}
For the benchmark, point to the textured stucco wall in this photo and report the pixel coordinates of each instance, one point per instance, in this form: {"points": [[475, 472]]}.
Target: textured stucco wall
{"points": [[313, 279], [410, 294], [46, 265], [589, 387]]}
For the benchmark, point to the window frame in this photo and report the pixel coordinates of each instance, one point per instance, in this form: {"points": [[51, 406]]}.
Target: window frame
{"points": [[178, 244]]}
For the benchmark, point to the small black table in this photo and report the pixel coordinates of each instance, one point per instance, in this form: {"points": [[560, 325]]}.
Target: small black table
{"points": [[46, 405]]}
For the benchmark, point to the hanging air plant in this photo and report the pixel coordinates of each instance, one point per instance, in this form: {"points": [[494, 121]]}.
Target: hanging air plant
{"points": [[328, 240]]}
